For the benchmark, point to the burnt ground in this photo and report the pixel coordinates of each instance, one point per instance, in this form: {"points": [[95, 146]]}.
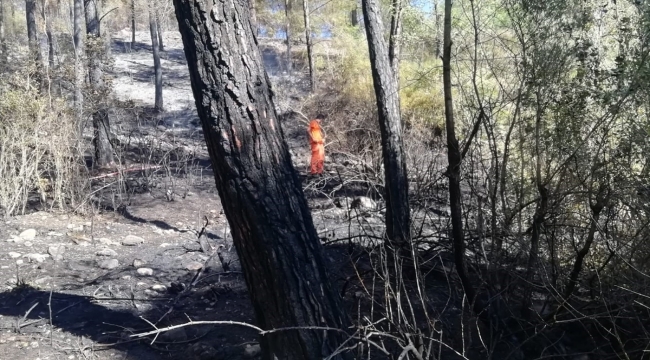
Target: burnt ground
{"points": [[153, 246]]}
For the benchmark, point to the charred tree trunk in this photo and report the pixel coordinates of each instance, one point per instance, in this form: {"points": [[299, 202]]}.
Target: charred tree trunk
{"points": [[310, 54], [78, 38], [47, 15], [287, 29], [32, 36], [261, 193], [3, 41], [354, 17], [390, 125], [132, 24], [394, 38], [540, 212], [101, 124], [453, 171], [155, 46]]}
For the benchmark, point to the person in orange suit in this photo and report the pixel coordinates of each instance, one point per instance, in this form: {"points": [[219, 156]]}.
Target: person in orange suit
{"points": [[317, 142]]}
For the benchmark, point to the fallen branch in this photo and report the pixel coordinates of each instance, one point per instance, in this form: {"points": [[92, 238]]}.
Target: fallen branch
{"points": [[130, 169]]}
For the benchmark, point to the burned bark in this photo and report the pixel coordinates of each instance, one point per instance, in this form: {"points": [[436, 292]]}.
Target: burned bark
{"points": [[101, 125], [310, 46], [272, 228], [155, 47], [78, 38], [398, 219]]}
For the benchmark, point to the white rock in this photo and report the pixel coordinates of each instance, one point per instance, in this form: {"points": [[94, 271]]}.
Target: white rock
{"points": [[159, 288], [39, 258], [19, 262], [109, 264], [252, 351], [193, 266], [106, 252], [56, 252], [28, 234], [14, 255], [105, 241], [132, 240], [145, 271], [28, 243], [138, 263]]}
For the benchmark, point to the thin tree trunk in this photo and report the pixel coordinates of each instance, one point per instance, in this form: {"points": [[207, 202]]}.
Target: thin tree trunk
{"points": [[437, 34], [390, 125], [540, 214], [159, 32], [394, 37], [132, 24], [155, 46], [47, 15], [453, 171], [310, 55], [79, 51], [32, 33], [253, 15], [287, 29], [261, 193], [3, 41], [101, 124]]}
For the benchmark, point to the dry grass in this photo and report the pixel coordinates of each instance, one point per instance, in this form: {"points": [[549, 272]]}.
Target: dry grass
{"points": [[40, 155]]}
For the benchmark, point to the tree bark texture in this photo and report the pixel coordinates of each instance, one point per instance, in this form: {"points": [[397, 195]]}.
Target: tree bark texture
{"points": [[260, 191], [48, 11], [159, 32], [398, 219], [79, 51], [132, 24], [310, 49], [394, 41], [287, 29], [101, 124], [155, 46], [32, 31], [453, 170], [3, 41]]}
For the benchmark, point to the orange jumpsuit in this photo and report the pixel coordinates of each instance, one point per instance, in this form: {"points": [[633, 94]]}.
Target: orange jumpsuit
{"points": [[317, 143]]}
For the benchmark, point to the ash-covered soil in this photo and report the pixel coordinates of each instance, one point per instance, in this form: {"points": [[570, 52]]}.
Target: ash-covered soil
{"points": [[155, 248]]}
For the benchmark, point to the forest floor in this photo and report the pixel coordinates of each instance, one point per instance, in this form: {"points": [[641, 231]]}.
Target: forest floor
{"points": [[156, 247]]}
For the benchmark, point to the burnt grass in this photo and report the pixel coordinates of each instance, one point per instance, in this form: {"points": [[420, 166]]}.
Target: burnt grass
{"points": [[75, 304]]}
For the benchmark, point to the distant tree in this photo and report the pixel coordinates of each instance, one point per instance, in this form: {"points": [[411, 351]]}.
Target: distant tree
{"points": [[132, 24], [261, 193], [155, 47], [287, 30], [101, 124], [32, 31], [79, 51], [310, 50], [3, 41], [398, 218]]}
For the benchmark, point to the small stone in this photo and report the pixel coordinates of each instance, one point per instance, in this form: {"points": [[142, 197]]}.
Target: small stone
{"points": [[42, 280], [159, 288], [14, 255], [149, 292], [56, 252], [105, 241], [132, 240], [28, 234], [164, 245], [141, 284], [252, 351], [126, 277], [28, 243], [145, 271], [193, 266], [39, 258], [109, 264], [138, 263], [19, 262], [107, 252]]}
